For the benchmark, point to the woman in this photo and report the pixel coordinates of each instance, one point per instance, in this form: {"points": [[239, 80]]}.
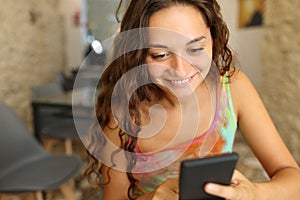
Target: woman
{"points": [[175, 74]]}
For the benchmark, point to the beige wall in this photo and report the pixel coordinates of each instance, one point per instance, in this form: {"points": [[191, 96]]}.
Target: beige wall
{"points": [[246, 42], [73, 37], [31, 51], [281, 69]]}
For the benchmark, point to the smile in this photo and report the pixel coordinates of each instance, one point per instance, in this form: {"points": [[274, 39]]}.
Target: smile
{"points": [[182, 82]]}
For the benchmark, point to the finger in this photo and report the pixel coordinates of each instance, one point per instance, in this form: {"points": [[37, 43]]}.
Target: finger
{"points": [[235, 182], [226, 192], [238, 175], [167, 190], [173, 184]]}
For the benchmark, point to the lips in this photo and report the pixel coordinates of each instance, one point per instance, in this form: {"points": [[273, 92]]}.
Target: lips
{"points": [[181, 82]]}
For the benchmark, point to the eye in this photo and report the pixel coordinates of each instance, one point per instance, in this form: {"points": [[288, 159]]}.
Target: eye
{"points": [[195, 50], [159, 56]]}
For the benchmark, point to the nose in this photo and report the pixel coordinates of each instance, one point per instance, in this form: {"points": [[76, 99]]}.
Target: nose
{"points": [[181, 66]]}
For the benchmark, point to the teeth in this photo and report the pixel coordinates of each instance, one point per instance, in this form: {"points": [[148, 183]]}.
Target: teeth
{"points": [[180, 82]]}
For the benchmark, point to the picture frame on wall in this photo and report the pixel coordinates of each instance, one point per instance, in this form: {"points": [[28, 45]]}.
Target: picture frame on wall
{"points": [[251, 13]]}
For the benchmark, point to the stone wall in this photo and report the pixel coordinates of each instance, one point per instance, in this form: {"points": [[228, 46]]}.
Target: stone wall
{"points": [[31, 51], [281, 68]]}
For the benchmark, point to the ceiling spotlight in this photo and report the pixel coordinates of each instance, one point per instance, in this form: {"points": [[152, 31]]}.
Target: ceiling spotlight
{"points": [[97, 47]]}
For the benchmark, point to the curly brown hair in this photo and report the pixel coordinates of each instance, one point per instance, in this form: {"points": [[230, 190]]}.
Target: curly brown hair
{"points": [[137, 16]]}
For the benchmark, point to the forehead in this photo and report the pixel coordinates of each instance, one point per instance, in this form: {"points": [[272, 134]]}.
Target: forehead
{"points": [[186, 20], [166, 38]]}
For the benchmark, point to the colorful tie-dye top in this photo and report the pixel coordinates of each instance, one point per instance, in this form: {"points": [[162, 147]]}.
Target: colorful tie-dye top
{"points": [[153, 168]]}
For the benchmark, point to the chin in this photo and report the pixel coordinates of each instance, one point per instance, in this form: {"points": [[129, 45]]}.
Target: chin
{"points": [[184, 93]]}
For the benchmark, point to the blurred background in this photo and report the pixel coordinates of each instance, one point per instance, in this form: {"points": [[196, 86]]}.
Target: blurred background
{"points": [[44, 38]]}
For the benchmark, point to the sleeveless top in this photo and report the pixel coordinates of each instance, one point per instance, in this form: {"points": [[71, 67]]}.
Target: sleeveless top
{"points": [[152, 169]]}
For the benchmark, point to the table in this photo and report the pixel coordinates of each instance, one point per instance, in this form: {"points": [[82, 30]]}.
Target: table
{"points": [[63, 116]]}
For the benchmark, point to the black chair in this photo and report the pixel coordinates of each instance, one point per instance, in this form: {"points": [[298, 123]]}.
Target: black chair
{"points": [[52, 121], [25, 166]]}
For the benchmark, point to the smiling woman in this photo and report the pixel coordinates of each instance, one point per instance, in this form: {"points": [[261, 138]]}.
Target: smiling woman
{"points": [[170, 93]]}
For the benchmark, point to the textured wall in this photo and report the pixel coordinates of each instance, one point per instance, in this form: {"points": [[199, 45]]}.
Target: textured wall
{"points": [[31, 49], [281, 69]]}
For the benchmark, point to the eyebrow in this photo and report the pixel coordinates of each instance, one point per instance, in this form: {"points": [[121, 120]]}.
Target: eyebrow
{"points": [[196, 40], [160, 46]]}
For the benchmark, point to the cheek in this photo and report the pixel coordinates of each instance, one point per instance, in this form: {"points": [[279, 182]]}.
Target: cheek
{"points": [[156, 70], [201, 62]]}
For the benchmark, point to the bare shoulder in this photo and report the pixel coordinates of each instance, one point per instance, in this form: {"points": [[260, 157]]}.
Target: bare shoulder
{"points": [[239, 81], [257, 126], [243, 92]]}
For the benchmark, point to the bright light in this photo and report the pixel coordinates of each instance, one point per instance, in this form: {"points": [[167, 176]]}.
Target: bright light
{"points": [[97, 47]]}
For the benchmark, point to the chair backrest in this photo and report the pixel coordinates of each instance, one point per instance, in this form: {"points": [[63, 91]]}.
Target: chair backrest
{"points": [[17, 145], [47, 90]]}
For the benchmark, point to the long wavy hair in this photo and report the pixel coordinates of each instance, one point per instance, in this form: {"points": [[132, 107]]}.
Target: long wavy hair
{"points": [[137, 15]]}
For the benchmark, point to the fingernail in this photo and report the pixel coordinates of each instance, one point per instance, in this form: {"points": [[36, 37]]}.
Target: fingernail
{"points": [[210, 187]]}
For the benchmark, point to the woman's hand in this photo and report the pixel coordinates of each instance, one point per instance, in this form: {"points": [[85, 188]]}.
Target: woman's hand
{"points": [[166, 191], [240, 189]]}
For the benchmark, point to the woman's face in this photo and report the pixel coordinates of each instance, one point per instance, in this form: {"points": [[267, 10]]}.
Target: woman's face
{"points": [[180, 49]]}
